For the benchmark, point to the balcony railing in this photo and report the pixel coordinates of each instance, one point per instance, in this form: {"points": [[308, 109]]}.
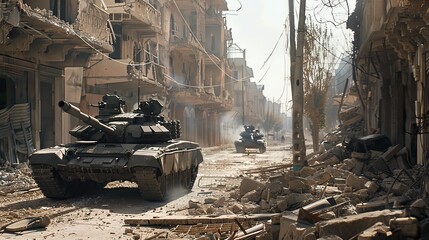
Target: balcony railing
{"points": [[93, 21]]}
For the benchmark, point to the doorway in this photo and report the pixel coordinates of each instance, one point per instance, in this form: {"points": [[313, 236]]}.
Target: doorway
{"points": [[47, 133]]}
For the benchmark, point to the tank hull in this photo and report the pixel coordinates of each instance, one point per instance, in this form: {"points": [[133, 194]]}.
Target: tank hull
{"points": [[243, 144], [157, 168]]}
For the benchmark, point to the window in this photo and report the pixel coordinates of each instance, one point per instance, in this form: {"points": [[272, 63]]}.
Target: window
{"points": [[213, 43]]}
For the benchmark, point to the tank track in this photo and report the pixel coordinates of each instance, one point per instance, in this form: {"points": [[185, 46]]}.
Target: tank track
{"points": [[152, 188], [155, 187], [51, 185]]}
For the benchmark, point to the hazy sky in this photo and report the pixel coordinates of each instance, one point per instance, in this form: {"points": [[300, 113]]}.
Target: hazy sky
{"points": [[257, 27]]}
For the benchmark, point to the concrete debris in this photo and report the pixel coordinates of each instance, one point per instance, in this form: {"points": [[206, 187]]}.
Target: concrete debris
{"points": [[15, 179], [360, 186]]}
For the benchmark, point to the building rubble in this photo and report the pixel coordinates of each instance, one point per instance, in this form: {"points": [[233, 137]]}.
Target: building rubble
{"points": [[15, 178], [338, 194]]}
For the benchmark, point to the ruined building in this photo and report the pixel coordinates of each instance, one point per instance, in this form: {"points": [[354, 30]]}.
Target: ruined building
{"points": [[44, 47], [391, 50], [175, 51]]}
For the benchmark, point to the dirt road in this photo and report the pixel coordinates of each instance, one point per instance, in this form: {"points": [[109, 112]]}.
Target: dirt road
{"points": [[101, 215]]}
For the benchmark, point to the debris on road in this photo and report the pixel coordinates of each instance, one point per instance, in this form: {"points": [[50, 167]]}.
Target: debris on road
{"points": [[27, 224]]}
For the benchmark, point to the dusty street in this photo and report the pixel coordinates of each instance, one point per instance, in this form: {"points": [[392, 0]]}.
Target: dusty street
{"points": [[101, 215]]}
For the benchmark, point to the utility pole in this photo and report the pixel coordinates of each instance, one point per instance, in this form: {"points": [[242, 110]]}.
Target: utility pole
{"points": [[243, 78], [298, 139]]}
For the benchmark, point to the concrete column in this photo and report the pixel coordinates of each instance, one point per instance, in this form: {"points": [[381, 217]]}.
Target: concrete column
{"points": [[34, 96]]}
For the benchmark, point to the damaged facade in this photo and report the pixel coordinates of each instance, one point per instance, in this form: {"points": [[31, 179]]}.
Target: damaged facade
{"points": [[391, 46], [175, 51], [45, 46]]}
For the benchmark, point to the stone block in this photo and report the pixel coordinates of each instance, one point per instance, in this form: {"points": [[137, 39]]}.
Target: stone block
{"points": [[358, 166], [253, 196], [290, 229], [248, 184], [396, 188], [371, 206], [407, 226], [348, 164], [307, 171], [298, 198], [377, 231], [349, 226], [282, 205], [356, 182], [251, 208], [298, 186], [372, 187]]}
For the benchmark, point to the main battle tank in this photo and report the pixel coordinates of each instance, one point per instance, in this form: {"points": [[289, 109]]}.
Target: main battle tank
{"points": [[250, 138], [139, 146]]}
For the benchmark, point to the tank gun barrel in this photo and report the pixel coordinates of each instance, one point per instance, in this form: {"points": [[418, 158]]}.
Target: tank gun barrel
{"points": [[75, 111]]}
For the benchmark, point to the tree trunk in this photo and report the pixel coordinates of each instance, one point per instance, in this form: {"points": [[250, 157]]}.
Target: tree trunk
{"points": [[315, 136]]}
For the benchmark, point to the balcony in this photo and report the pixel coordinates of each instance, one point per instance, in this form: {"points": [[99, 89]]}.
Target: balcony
{"points": [[50, 36], [121, 75], [139, 14], [184, 43], [201, 98]]}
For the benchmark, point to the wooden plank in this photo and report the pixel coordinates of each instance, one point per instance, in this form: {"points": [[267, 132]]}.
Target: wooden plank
{"points": [[192, 220]]}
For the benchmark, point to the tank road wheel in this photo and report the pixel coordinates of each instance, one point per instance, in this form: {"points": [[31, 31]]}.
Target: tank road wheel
{"points": [[193, 176], [152, 186], [239, 149], [51, 184], [188, 177]]}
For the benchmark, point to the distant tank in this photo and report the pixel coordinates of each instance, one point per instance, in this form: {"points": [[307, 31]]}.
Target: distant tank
{"points": [[139, 146], [251, 138]]}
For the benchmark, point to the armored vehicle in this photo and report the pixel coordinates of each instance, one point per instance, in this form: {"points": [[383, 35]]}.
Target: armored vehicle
{"points": [[139, 146], [251, 138]]}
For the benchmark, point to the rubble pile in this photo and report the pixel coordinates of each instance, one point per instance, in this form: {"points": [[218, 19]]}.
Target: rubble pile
{"points": [[339, 193], [15, 178]]}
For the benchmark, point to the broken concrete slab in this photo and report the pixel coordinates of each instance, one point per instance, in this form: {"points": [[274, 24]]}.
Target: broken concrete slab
{"points": [[377, 231], [349, 226], [356, 182], [248, 184], [408, 226]]}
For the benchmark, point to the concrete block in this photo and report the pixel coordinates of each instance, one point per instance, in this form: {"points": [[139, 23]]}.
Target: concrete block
{"points": [[377, 231], [253, 196], [396, 188], [358, 166], [407, 226], [348, 164], [298, 186], [371, 206], [307, 171], [372, 187], [356, 182], [349, 226], [282, 205], [298, 198], [248, 184], [291, 230]]}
